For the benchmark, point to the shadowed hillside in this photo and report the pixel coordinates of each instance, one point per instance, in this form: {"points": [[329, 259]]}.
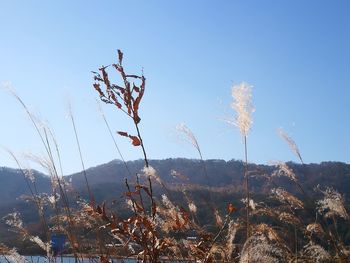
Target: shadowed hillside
{"points": [[225, 175]]}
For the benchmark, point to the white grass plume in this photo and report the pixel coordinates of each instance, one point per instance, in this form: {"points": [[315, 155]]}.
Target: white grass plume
{"points": [[252, 204], [187, 135], [259, 248], [332, 204], [283, 170], [292, 145], [284, 197], [316, 253], [150, 172], [242, 95]]}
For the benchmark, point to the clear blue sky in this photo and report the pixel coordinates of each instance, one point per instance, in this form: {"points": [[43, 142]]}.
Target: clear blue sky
{"points": [[295, 53]]}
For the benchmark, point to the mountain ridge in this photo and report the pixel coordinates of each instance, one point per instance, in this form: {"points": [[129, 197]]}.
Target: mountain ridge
{"points": [[217, 173]]}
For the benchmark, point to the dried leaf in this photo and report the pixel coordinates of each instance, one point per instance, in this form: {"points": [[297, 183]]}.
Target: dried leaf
{"points": [[105, 77], [120, 56], [135, 140], [231, 208], [136, 105], [97, 87], [123, 133], [135, 88], [130, 194]]}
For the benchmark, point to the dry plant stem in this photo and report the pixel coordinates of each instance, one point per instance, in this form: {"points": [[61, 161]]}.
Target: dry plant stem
{"points": [[144, 241], [131, 198], [46, 146], [140, 193], [62, 190], [92, 199], [153, 212], [4, 256], [207, 177], [312, 201], [132, 104], [61, 170], [34, 195], [115, 143], [246, 185], [296, 243], [91, 196], [324, 225], [63, 193], [206, 258], [142, 145]]}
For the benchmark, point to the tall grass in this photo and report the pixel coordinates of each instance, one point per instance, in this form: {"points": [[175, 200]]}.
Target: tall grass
{"points": [[242, 95]]}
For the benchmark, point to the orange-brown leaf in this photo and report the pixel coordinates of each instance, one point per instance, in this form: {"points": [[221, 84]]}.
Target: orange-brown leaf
{"points": [[135, 140], [121, 133], [103, 259], [136, 104], [231, 208]]}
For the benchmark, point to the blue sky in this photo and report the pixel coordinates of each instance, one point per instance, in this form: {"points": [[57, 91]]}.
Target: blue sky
{"points": [[295, 53]]}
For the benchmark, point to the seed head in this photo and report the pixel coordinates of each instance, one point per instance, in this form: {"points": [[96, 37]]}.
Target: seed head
{"points": [[292, 145], [242, 104], [332, 204]]}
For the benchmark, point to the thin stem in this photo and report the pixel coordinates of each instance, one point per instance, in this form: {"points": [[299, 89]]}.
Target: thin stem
{"points": [[216, 238], [44, 141], [246, 185], [114, 141], [34, 195], [92, 199], [153, 209], [296, 243], [142, 145], [131, 198], [63, 192]]}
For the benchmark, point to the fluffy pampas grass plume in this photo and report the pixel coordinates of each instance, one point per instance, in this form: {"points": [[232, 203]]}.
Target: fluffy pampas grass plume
{"points": [[242, 104]]}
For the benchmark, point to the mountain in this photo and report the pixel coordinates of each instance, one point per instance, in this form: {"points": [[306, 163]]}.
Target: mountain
{"points": [[218, 173], [13, 184], [217, 182], [179, 171]]}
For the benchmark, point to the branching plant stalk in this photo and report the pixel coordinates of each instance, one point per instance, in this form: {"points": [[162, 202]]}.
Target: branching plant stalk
{"points": [[153, 212], [153, 207]]}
